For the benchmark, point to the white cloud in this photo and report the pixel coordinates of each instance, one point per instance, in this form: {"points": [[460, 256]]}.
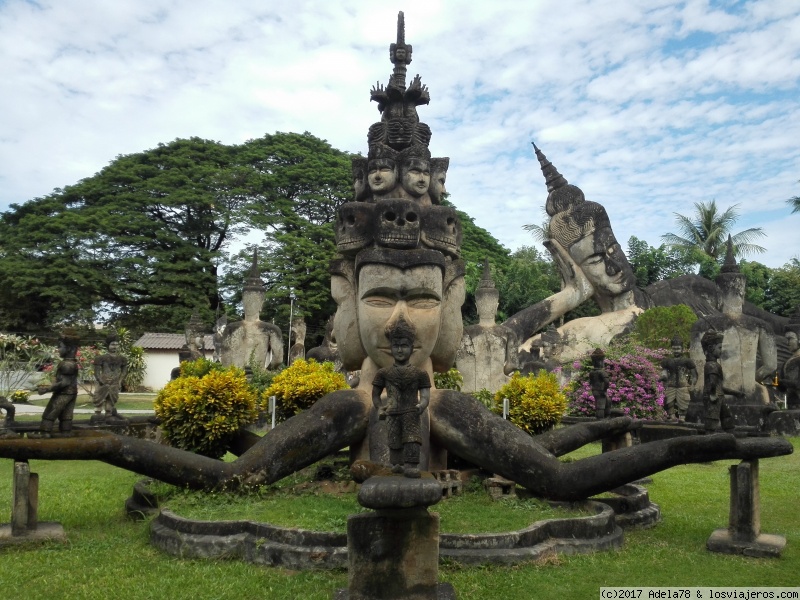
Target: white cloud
{"points": [[649, 106]]}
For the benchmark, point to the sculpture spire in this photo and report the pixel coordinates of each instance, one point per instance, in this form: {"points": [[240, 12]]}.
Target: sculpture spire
{"points": [[552, 178], [486, 281], [253, 282], [730, 265]]}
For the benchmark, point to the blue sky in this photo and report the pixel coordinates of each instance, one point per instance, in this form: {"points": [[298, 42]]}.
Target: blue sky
{"points": [[649, 106]]}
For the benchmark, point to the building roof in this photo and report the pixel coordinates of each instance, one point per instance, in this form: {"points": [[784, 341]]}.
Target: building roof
{"points": [[169, 341]]}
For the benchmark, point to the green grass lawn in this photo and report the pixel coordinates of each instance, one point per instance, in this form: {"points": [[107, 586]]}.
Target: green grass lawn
{"points": [[108, 556], [126, 402]]}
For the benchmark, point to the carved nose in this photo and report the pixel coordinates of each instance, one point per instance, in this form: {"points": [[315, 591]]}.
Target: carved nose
{"points": [[612, 268]]}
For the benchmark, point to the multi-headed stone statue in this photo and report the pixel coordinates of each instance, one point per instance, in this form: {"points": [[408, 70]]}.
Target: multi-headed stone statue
{"points": [[252, 341], [401, 260]]}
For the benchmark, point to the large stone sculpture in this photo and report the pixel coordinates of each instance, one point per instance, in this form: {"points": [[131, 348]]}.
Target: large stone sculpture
{"points": [[400, 259], [488, 353], [679, 374], [749, 353], [252, 341], [109, 371], [592, 264]]}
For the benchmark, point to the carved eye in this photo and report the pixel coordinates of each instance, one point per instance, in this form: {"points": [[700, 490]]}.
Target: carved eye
{"points": [[351, 220], [389, 216], [450, 220], [411, 217]]}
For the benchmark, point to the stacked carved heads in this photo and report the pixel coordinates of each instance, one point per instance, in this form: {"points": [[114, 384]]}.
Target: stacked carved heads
{"points": [[400, 247]]}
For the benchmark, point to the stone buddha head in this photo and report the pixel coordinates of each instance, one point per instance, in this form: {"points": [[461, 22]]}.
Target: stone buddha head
{"points": [[384, 285], [585, 231]]}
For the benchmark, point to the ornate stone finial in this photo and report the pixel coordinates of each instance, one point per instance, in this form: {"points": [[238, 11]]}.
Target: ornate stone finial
{"points": [[400, 54], [729, 266], [552, 178], [253, 282], [486, 281], [677, 341], [112, 337], [598, 354]]}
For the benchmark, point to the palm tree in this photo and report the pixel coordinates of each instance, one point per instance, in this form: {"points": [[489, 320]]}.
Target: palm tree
{"points": [[707, 231], [794, 203]]}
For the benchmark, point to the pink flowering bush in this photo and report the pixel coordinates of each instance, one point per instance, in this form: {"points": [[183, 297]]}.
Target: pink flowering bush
{"points": [[634, 386]]}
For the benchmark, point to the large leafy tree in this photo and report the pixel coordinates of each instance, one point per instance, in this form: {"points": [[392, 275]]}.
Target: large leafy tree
{"points": [[141, 239], [301, 182], [651, 264], [707, 231], [783, 292]]}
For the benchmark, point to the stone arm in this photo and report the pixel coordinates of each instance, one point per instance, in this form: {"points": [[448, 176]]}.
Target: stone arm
{"points": [[577, 290], [376, 401], [424, 399], [769, 355], [66, 378], [691, 373], [511, 363]]}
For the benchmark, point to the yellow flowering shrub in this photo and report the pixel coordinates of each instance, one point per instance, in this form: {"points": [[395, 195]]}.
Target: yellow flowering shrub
{"points": [[202, 414], [299, 386], [535, 403]]}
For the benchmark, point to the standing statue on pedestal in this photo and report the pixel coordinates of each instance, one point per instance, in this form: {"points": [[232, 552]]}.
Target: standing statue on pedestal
{"points": [[109, 371], [408, 390], [64, 389], [598, 380], [679, 373], [297, 350], [713, 395]]}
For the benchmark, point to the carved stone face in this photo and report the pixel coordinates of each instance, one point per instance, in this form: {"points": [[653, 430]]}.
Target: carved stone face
{"points": [[113, 347], [354, 223], [252, 300], [437, 189], [359, 186], [441, 230], [386, 293], [791, 340], [398, 223], [487, 301], [416, 177], [732, 287], [604, 263], [382, 176], [677, 351]]}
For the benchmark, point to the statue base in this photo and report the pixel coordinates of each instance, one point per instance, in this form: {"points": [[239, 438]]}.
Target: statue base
{"points": [[44, 532], [765, 545]]}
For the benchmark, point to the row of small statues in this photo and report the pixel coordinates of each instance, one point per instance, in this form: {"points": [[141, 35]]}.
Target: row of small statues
{"points": [[109, 372]]}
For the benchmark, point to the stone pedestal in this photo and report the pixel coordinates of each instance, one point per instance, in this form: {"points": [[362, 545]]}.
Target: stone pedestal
{"points": [[616, 442], [743, 535], [393, 552], [25, 526]]}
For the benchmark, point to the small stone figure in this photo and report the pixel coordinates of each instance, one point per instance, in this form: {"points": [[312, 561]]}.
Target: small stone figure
{"points": [[297, 351], [7, 424], [598, 379], [109, 371], [679, 374], [404, 384], [713, 395], [64, 389]]}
